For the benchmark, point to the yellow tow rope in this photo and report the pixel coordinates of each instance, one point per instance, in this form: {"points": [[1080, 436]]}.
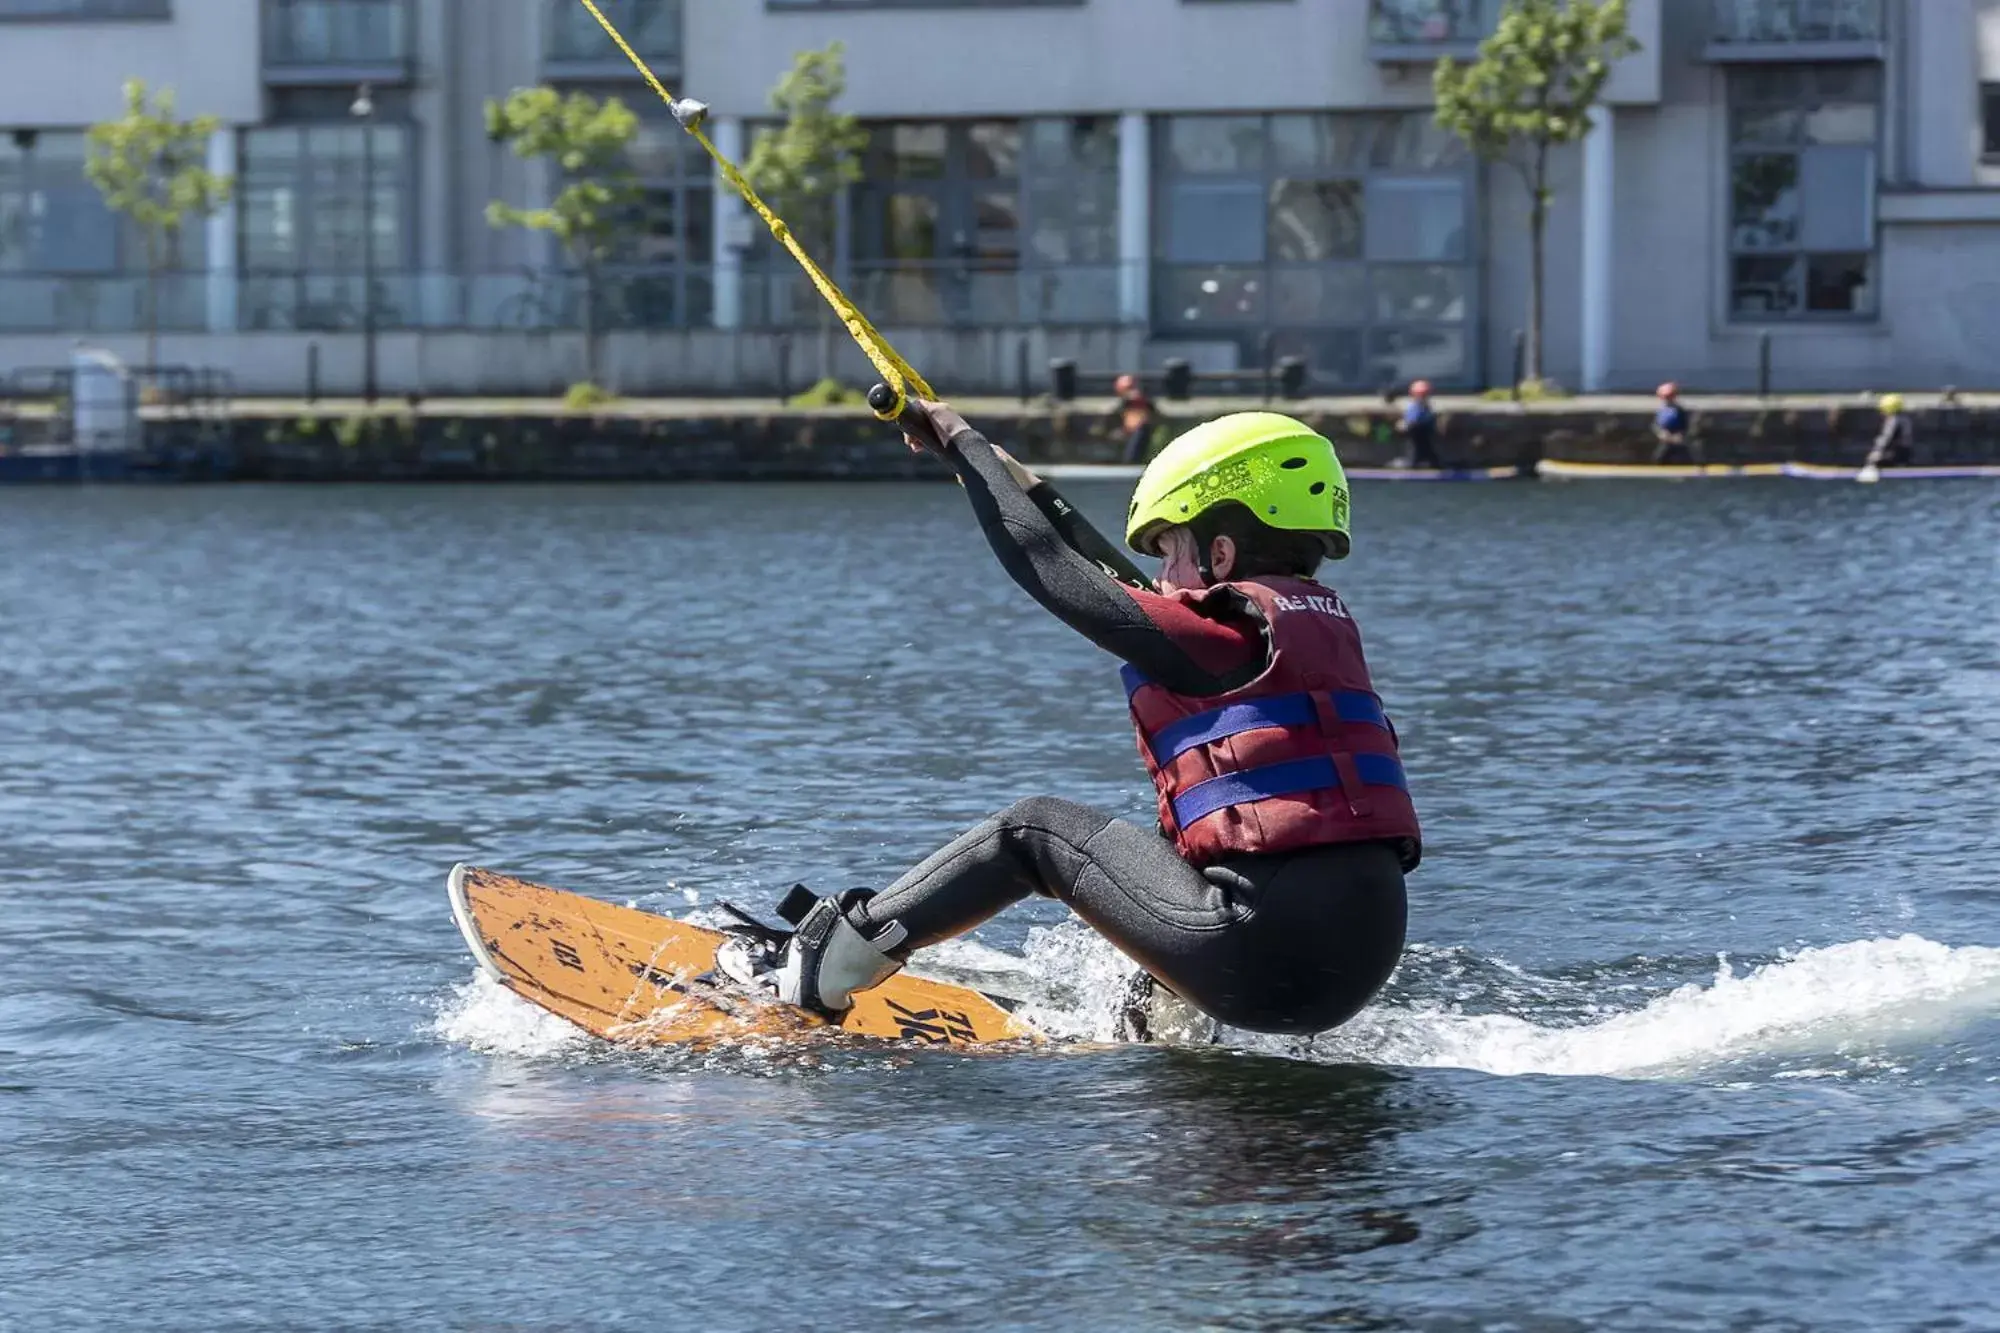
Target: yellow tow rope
{"points": [[896, 372]]}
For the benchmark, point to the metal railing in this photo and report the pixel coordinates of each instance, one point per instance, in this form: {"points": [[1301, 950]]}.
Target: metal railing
{"points": [[628, 297], [62, 303], [340, 33], [940, 292], [86, 9], [1796, 21], [768, 295], [1431, 23]]}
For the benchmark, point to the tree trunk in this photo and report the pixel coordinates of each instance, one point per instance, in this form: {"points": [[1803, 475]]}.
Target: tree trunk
{"points": [[152, 302], [590, 366], [1538, 220]]}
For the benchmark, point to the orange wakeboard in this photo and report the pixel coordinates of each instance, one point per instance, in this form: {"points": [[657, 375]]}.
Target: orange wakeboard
{"points": [[640, 978]]}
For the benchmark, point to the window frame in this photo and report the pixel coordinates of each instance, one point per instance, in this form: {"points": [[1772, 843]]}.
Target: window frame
{"points": [[1797, 251], [1989, 122], [946, 289], [1375, 338], [396, 275]]}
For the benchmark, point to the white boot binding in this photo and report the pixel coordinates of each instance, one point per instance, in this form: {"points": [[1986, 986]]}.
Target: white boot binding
{"points": [[828, 958]]}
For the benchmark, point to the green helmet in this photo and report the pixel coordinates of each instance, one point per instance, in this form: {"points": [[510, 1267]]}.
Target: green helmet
{"points": [[1278, 468]]}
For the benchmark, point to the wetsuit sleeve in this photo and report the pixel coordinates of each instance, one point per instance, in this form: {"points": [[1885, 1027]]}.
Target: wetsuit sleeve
{"points": [[1185, 651]]}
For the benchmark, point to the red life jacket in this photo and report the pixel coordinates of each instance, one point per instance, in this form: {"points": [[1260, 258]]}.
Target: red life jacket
{"points": [[1302, 756]]}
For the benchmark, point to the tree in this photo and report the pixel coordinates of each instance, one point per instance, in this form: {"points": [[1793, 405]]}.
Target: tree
{"points": [[801, 166], [154, 169], [586, 140], [1531, 90]]}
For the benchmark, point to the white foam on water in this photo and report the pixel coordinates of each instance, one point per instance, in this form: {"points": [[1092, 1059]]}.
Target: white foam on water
{"points": [[1844, 1002], [1848, 1001], [486, 1016], [1843, 999]]}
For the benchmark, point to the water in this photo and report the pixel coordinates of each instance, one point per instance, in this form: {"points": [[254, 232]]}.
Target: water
{"points": [[1700, 1027]]}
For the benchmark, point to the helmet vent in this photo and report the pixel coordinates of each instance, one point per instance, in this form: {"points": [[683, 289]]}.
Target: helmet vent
{"points": [[1293, 462], [1319, 488]]}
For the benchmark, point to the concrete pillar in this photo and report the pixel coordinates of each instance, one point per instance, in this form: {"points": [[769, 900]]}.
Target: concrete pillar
{"points": [[1599, 236], [221, 227], [1135, 218], [729, 225]]}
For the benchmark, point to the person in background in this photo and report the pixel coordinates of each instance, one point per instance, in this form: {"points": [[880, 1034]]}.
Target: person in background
{"points": [[1420, 424], [1670, 428], [1135, 416], [1896, 445]]}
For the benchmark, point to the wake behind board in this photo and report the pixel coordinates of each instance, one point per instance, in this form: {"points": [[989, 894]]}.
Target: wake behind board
{"points": [[644, 979]]}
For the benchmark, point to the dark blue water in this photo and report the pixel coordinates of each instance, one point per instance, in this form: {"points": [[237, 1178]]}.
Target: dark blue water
{"points": [[1700, 1027]]}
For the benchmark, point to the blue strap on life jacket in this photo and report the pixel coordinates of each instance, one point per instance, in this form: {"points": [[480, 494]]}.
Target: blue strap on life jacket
{"points": [[1287, 779], [1279, 710]]}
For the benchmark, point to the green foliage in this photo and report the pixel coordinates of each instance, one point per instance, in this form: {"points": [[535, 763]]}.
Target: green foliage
{"points": [[586, 141], [153, 168], [1530, 91], [800, 166], [1537, 77], [827, 393], [584, 396]]}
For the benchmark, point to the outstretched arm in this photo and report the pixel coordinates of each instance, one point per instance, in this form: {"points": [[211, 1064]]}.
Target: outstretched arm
{"points": [[1073, 571]]}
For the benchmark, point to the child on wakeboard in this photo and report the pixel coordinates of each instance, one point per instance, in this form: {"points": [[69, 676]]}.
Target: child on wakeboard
{"points": [[1271, 897]]}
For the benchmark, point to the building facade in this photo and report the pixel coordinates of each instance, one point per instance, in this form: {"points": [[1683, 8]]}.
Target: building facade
{"points": [[1118, 181]]}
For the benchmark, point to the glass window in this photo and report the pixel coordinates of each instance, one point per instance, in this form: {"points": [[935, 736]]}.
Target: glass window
{"points": [[1766, 286], [1311, 143], [1215, 222], [993, 150], [1216, 143], [1989, 98], [1311, 220], [1069, 145], [311, 222], [1837, 198], [1195, 296], [916, 152], [910, 226], [1430, 293], [1765, 194], [1347, 236], [1323, 294], [653, 27], [1802, 190], [1840, 284], [1416, 218], [53, 220]]}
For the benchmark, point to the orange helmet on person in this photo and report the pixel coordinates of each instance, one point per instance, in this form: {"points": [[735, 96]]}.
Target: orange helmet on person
{"points": [[1669, 390], [1420, 389]]}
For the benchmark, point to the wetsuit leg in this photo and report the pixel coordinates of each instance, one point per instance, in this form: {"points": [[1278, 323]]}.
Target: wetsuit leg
{"points": [[1292, 943]]}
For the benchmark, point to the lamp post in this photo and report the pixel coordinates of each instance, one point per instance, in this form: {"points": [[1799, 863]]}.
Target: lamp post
{"points": [[363, 110]]}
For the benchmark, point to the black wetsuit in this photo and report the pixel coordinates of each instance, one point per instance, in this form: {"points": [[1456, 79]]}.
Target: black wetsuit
{"points": [[1896, 446], [1286, 943]]}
